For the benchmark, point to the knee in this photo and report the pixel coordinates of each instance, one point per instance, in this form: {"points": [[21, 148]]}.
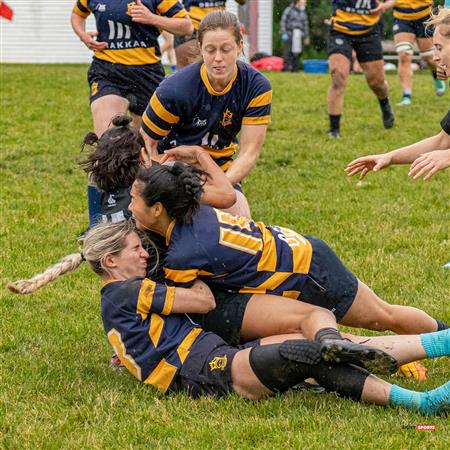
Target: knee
{"points": [[377, 83], [405, 51], [338, 79]]}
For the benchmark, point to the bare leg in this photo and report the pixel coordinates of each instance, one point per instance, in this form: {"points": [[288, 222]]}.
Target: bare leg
{"points": [[370, 312], [104, 109], [426, 45], [339, 70], [405, 73], [374, 72]]}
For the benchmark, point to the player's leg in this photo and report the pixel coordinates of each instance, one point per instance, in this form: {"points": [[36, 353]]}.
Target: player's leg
{"points": [[104, 109], [186, 52], [404, 46], [426, 49]]}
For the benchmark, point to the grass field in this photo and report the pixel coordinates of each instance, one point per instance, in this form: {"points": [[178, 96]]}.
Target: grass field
{"points": [[56, 387]]}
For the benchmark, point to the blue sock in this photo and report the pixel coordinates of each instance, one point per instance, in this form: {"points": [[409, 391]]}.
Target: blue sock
{"points": [[94, 204], [436, 344], [404, 397]]}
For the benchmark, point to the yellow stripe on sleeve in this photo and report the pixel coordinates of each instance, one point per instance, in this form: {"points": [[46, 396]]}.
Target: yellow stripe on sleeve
{"points": [[162, 112], [156, 328], [80, 13], [157, 130], [165, 5], [186, 344], [261, 100], [168, 304], [262, 120], [181, 276], [162, 376], [145, 297], [180, 14]]}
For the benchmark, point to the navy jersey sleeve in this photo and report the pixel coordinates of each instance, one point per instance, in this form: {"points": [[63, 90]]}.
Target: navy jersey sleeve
{"points": [[260, 101], [80, 8], [445, 123]]}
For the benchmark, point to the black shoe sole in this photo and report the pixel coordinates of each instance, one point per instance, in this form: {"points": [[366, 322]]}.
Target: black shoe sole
{"points": [[372, 359]]}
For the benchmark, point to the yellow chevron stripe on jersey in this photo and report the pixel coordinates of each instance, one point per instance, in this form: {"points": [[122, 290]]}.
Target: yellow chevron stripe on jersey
{"points": [[196, 13], [181, 276], [186, 344], [162, 112], [115, 339], [165, 5], [270, 284], [150, 124], [261, 100], [207, 83], [239, 241], [291, 294], [162, 376], [225, 218], [263, 120], [156, 328], [129, 57], [412, 9], [223, 152], [268, 260], [365, 21]]}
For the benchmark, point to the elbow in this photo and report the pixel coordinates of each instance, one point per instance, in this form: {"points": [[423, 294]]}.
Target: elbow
{"points": [[228, 199], [186, 29]]}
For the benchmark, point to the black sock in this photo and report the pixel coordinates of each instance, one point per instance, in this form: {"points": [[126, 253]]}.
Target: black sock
{"points": [[384, 102], [327, 333], [441, 325], [335, 122], [434, 74]]}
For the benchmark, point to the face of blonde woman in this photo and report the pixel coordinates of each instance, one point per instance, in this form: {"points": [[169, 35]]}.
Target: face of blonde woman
{"points": [[441, 41]]}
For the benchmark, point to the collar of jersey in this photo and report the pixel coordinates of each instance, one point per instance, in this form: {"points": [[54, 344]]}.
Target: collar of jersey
{"points": [[209, 88], [169, 231], [109, 281]]}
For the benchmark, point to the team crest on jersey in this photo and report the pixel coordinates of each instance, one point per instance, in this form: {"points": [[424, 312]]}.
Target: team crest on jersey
{"points": [[226, 119], [218, 363], [129, 6], [94, 88], [101, 7]]}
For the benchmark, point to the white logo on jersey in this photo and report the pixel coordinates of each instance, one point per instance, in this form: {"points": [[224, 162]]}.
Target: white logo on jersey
{"points": [[101, 7], [111, 200], [197, 122], [363, 4]]}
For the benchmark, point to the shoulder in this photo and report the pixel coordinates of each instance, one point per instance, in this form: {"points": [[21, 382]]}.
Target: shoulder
{"points": [[121, 294], [187, 76], [253, 77]]}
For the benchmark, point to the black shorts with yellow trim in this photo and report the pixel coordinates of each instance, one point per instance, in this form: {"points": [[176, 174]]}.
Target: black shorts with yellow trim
{"points": [[415, 27], [367, 46], [329, 283], [178, 40], [135, 83], [207, 369], [226, 319]]}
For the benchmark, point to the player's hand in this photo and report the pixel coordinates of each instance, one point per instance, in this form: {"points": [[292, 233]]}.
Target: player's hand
{"points": [[442, 72], [141, 14], [380, 8], [368, 163], [90, 40], [429, 163], [189, 154]]}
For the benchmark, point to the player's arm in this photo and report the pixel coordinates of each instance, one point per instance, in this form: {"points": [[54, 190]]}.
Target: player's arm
{"points": [[251, 140], [383, 6], [403, 155], [88, 38], [197, 299]]}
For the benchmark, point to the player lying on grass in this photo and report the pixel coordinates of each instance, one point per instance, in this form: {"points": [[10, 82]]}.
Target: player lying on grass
{"points": [[429, 155], [146, 324]]}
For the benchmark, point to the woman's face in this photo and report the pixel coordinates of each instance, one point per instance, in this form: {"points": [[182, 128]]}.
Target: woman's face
{"points": [[441, 43], [220, 53], [142, 214]]}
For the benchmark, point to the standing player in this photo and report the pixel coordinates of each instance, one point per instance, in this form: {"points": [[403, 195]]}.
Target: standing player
{"points": [[210, 102], [126, 67], [186, 48], [409, 27], [354, 26]]}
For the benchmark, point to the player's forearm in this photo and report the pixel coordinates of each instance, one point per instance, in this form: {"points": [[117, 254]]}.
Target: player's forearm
{"points": [[389, 4], [242, 165], [410, 153], [180, 26], [197, 299], [78, 24], [150, 144]]}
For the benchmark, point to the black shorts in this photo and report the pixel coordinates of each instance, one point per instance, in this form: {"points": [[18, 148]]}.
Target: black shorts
{"points": [[226, 319], [207, 369], [329, 283], [135, 83], [415, 27], [178, 40], [367, 46]]}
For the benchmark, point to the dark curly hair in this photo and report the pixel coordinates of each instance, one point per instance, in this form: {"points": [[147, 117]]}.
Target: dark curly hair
{"points": [[115, 159], [178, 188]]}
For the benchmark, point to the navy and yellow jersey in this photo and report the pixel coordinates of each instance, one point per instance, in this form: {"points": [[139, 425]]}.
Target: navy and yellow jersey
{"points": [[128, 42], [152, 343], [186, 110], [197, 9], [237, 254], [354, 16], [412, 9]]}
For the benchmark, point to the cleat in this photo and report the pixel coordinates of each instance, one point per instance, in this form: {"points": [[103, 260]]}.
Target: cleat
{"points": [[436, 401], [405, 101], [333, 134], [439, 87], [372, 359], [388, 117], [301, 351], [414, 370]]}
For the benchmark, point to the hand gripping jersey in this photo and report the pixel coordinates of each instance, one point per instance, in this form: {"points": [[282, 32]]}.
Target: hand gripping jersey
{"points": [[152, 343], [354, 16], [197, 9], [237, 254], [186, 110], [412, 9], [128, 42]]}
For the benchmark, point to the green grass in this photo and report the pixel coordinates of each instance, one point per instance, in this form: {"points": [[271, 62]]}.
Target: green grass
{"points": [[56, 389]]}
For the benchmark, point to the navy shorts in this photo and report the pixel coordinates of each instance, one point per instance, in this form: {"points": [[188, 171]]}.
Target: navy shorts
{"points": [[135, 83], [207, 369], [226, 319], [329, 283], [415, 27], [367, 46]]}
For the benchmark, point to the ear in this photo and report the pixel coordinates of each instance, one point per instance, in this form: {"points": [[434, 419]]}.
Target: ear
{"points": [[158, 209], [241, 46], [145, 157], [109, 261]]}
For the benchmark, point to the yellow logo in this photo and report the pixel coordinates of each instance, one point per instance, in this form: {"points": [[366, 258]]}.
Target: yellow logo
{"points": [[226, 119], [94, 88], [129, 6], [219, 362]]}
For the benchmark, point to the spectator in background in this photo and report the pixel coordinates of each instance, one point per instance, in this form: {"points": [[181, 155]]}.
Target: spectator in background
{"points": [[294, 29]]}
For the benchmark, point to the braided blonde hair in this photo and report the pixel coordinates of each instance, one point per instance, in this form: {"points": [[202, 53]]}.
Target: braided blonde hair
{"points": [[101, 240]]}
